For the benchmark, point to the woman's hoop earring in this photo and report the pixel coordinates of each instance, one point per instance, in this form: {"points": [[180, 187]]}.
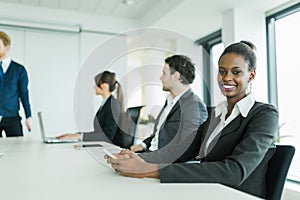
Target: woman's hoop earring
{"points": [[249, 89]]}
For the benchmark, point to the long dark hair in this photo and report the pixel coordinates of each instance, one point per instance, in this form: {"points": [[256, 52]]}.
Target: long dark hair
{"points": [[110, 79]]}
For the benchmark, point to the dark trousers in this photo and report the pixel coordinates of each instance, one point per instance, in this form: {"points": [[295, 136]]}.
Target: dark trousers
{"points": [[12, 126]]}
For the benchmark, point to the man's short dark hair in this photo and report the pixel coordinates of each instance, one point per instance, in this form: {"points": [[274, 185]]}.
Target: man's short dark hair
{"points": [[184, 66]]}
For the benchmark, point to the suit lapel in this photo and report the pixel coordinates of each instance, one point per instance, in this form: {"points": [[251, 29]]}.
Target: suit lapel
{"points": [[236, 123], [181, 100], [158, 117], [208, 129], [229, 129], [173, 110], [232, 126]]}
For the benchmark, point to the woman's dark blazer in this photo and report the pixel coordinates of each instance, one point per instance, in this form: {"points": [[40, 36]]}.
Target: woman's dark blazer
{"points": [[239, 156], [106, 122]]}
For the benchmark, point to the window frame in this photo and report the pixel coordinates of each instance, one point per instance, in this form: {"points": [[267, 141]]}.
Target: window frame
{"points": [[271, 56], [271, 50], [207, 43]]}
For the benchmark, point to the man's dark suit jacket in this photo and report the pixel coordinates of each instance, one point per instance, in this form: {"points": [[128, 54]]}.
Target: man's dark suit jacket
{"points": [[187, 114], [106, 122], [238, 158], [14, 88]]}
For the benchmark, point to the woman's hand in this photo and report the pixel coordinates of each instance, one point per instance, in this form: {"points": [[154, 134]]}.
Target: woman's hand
{"points": [[136, 148], [130, 164], [68, 136]]}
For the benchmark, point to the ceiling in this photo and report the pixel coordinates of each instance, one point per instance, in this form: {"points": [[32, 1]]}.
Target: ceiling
{"points": [[113, 8], [196, 18], [118, 8]]}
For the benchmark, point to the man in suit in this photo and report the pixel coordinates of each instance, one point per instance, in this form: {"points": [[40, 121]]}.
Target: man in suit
{"points": [[183, 109], [13, 86]]}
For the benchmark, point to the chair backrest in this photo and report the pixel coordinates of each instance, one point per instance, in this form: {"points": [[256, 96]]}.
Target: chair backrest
{"points": [[278, 168], [129, 126], [210, 109]]}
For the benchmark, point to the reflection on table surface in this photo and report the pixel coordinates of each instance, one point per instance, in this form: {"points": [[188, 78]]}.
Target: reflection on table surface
{"points": [[30, 169]]}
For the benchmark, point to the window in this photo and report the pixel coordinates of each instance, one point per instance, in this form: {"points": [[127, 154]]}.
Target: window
{"points": [[216, 52], [212, 49], [283, 65]]}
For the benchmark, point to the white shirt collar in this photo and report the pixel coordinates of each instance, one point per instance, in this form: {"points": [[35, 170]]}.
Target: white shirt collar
{"points": [[244, 106], [5, 63], [172, 100]]}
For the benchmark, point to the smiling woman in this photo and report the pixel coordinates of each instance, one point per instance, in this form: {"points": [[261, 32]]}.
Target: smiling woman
{"points": [[236, 71], [235, 150]]}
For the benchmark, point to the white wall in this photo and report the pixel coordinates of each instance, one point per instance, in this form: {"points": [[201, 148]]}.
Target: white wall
{"points": [[52, 69], [52, 64], [62, 66], [54, 61], [246, 24], [146, 51], [98, 53], [88, 43]]}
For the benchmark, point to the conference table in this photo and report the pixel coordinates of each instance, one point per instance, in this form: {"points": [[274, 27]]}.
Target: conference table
{"points": [[30, 169]]}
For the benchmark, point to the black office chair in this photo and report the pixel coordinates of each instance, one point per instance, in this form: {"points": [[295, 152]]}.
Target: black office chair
{"points": [[210, 109], [278, 168], [129, 126]]}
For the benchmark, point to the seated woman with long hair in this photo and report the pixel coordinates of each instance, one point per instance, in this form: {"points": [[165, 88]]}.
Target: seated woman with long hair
{"points": [[108, 117]]}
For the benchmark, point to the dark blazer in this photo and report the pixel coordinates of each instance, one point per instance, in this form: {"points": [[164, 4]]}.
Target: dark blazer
{"points": [[14, 88], [106, 122], [187, 114], [238, 158]]}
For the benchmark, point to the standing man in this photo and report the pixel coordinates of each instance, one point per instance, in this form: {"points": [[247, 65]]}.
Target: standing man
{"points": [[13, 87], [183, 111]]}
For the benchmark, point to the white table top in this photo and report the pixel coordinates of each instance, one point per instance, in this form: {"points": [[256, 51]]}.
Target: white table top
{"points": [[30, 169]]}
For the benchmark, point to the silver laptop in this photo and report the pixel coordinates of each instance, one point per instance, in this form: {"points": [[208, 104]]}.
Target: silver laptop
{"points": [[51, 139]]}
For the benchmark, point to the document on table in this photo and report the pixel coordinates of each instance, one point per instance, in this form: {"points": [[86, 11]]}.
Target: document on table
{"points": [[100, 152]]}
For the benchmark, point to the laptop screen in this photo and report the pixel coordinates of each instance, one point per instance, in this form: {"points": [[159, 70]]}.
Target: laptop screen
{"points": [[41, 126]]}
